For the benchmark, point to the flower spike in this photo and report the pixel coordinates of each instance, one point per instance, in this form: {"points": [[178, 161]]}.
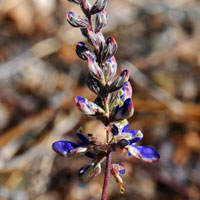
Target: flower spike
{"points": [[112, 106]]}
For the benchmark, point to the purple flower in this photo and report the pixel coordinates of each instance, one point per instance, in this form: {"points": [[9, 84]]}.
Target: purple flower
{"points": [[67, 148], [89, 146], [126, 142]]}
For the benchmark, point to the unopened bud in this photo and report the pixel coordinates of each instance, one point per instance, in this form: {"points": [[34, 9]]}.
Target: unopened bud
{"points": [[98, 6], [110, 48], [75, 21], [101, 20]]}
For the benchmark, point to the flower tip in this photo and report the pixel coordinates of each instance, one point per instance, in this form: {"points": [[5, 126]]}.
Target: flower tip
{"points": [[69, 15], [80, 44], [58, 148], [79, 99]]}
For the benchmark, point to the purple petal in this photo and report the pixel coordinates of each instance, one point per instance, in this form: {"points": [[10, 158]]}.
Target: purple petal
{"points": [[147, 154], [137, 136], [127, 89], [63, 147], [125, 129], [83, 138], [125, 111], [114, 130]]}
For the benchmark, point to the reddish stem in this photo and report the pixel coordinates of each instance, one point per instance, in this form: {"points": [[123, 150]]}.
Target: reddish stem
{"points": [[107, 176]]}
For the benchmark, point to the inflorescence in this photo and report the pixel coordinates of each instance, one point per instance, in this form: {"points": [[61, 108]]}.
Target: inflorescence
{"points": [[113, 105]]}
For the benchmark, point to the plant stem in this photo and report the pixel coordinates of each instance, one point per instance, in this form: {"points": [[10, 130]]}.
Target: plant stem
{"points": [[108, 157], [107, 176]]}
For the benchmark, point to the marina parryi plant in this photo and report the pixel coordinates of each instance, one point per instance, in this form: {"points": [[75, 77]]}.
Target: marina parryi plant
{"points": [[113, 105]]}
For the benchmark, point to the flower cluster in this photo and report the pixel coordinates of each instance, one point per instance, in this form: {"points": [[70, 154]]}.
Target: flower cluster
{"points": [[113, 105]]}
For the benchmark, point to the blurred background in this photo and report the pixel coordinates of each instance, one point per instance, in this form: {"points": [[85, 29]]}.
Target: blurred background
{"points": [[40, 74]]}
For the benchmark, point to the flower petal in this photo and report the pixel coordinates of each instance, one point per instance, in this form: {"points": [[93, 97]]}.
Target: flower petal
{"points": [[147, 154], [125, 111], [83, 138], [117, 127], [127, 90], [63, 147], [138, 135]]}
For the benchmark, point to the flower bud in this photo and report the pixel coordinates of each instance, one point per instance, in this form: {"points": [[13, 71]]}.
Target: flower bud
{"points": [[87, 172], [85, 6], [91, 37], [75, 21], [110, 69], [94, 69], [110, 48], [98, 6], [83, 51], [120, 81], [94, 85], [101, 20], [101, 40], [88, 107]]}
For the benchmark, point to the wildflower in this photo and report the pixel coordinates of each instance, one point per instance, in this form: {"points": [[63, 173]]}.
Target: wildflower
{"points": [[89, 146], [112, 106], [126, 140]]}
